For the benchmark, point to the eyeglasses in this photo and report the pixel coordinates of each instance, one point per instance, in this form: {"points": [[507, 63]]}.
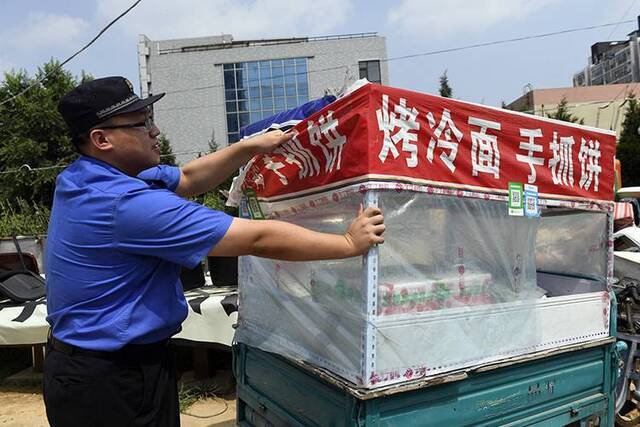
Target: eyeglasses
{"points": [[148, 124]]}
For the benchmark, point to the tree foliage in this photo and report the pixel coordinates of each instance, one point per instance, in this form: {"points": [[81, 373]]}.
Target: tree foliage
{"points": [[445, 88], [166, 152], [213, 145], [628, 148], [33, 135], [23, 218], [562, 113], [217, 198]]}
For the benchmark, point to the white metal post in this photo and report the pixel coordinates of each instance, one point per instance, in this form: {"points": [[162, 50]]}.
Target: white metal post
{"points": [[370, 264]]}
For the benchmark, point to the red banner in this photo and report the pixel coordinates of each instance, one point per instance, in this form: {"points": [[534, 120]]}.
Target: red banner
{"points": [[379, 132]]}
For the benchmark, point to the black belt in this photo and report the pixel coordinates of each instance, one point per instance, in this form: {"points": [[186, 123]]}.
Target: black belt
{"points": [[128, 352]]}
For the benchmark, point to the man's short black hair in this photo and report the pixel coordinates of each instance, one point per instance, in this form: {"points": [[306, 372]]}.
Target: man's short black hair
{"points": [[80, 141]]}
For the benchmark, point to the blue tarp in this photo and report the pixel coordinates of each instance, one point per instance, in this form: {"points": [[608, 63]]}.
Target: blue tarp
{"points": [[287, 118]]}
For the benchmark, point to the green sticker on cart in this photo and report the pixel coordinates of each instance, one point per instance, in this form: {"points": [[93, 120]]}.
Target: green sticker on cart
{"points": [[516, 206], [255, 211]]}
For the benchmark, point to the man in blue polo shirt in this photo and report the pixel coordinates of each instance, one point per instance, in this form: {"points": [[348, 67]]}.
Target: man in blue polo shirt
{"points": [[119, 232]]}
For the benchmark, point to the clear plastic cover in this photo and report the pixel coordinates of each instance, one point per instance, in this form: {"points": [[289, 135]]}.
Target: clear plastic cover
{"points": [[444, 252], [573, 243], [308, 310], [455, 286]]}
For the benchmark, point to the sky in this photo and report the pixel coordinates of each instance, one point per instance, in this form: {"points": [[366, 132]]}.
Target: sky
{"points": [[34, 31]]}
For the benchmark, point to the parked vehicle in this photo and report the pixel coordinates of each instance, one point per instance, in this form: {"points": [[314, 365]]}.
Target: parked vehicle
{"points": [[626, 247], [631, 195]]}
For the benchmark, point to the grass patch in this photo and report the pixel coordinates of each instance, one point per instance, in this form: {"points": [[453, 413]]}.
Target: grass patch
{"points": [[188, 395]]}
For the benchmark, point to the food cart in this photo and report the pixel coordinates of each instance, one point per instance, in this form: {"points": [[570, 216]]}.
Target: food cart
{"points": [[489, 302]]}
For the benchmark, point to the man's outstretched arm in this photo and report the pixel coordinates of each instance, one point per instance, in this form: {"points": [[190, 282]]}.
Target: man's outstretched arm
{"points": [[206, 173], [285, 241]]}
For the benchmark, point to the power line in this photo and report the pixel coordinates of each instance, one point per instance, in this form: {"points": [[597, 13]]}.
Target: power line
{"points": [[516, 39], [621, 18], [615, 98], [59, 67], [200, 106], [570, 107], [27, 168], [346, 66], [428, 53], [196, 107]]}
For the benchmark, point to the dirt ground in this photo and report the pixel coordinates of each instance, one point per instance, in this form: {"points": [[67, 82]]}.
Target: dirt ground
{"points": [[23, 407]]}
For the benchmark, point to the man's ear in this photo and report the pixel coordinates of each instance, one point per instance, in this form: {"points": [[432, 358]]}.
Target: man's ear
{"points": [[98, 139]]}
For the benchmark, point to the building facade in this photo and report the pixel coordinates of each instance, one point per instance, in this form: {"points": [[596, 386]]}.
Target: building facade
{"points": [[600, 106], [612, 62], [216, 85]]}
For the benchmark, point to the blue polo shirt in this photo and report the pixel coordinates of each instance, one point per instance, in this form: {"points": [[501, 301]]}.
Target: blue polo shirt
{"points": [[114, 249]]}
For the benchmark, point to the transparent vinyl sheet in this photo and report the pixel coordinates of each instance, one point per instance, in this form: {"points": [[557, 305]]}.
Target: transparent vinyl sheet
{"points": [[573, 243], [457, 285], [444, 252], [309, 310]]}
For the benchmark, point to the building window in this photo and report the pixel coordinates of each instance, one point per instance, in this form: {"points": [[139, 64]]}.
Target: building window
{"points": [[255, 90], [370, 70]]}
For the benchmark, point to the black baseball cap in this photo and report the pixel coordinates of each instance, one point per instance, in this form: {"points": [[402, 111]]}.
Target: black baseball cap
{"points": [[97, 100]]}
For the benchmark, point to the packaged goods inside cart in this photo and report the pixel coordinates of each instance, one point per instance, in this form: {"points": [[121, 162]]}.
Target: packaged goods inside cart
{"points": [[497, 242]]}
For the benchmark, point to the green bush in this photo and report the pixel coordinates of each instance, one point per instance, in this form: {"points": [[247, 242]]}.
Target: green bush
{"points": [[214, 199]]}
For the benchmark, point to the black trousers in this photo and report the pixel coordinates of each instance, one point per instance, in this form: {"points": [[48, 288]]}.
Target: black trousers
{"points": [[135, 386]]}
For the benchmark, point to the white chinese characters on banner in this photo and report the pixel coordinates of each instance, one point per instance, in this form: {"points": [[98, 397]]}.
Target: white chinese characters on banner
{"points": [[405, 120], [407, 123], [386, 123], [589, 157], [274, 166], [532, 148], [323, 134], [259, 180], [445, 127], [400, 129], [485, 155], [561, 164], [295, 154], [327, 129]]}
